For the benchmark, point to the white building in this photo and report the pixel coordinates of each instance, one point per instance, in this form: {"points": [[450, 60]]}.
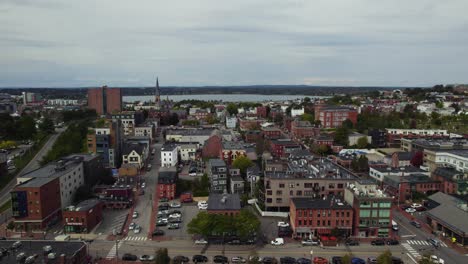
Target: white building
{"points": [[421, 132], [187, 152], [297, 112], [379, 173], [457, 159], [145, 130], [231, 122], [354, 137], [169, 157]]}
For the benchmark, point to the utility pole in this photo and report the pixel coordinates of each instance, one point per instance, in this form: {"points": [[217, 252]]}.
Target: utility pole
{"points": [[117, 248]]}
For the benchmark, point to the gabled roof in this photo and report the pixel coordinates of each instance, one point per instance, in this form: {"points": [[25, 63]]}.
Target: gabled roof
{"points": [[133, 146]]}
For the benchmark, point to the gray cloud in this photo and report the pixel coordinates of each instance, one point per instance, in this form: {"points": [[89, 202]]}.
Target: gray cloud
{"points": [[208, 42]]}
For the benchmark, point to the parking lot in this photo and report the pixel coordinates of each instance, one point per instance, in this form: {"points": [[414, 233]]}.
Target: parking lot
{"points": [[189, 211]]}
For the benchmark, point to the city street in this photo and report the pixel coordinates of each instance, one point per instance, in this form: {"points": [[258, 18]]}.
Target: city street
{"points": [[32, 165]]}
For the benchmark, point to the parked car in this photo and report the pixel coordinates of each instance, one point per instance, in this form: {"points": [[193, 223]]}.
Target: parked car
{"points": [[320, 260], [287, 260], [392, 242], [175, 212], [220, 259], [416, 224], [255, 258], [269, 260], [337, 260], [378, 242], [303, 261], [180, 259], [146, 258], [416, 205], [410, 210], [175, 220], [131, 226], [173, 226], [199, 258], [129, 257], [358, 261], [234, 242], [283, 224], [396, 260], [137, 229], [238, 260], [161, 223], [371, 260], [158, 232], [436, 259], [135, 215], [310, 242], [277, 241], [175, 215], [175, 205], [351, 242], [201, 242]]}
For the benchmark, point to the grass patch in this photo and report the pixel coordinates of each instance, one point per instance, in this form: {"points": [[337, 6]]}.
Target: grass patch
{"points": [[5, 206]]}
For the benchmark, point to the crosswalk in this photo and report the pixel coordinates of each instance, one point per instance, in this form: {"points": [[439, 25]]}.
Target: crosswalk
{"points": [[113, 251], [424, 243], [135, 238], [411, 250]]}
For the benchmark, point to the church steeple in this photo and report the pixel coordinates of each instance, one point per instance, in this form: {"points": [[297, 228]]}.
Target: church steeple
{"points": [[157, 99]]}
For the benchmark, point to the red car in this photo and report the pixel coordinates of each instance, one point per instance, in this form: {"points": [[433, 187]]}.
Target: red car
{"points": [[320, 260]]}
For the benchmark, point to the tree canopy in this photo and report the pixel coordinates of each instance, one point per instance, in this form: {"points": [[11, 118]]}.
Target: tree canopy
{"points": [[232, 109], [242, 163]]}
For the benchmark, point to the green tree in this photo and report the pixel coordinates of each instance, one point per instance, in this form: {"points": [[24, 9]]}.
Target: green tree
{"points": [[321, 149], [341, 136], [200, 225], [439, 104], [8, 144], [26, 127], [212, 120], [362, 142], [348, 124], [385, 257], [308, 117], [162, 256], [232, 109], [307, 99], [242, 163], [47, 126]]}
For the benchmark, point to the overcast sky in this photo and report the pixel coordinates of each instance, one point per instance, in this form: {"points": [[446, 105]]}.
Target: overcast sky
{"points": [[236, 42]]}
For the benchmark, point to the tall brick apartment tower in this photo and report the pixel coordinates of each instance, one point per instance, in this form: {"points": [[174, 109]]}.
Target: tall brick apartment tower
{"points": [[105, 100]]}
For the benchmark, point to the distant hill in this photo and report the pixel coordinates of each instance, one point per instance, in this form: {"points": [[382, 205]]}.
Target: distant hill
{"points": [[80, 92]]}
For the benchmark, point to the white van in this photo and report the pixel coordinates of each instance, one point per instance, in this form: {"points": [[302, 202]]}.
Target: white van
{"points": [[394, 226]]}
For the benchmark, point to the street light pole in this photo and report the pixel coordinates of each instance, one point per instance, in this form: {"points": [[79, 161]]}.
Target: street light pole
{"points": [[117, 248]]}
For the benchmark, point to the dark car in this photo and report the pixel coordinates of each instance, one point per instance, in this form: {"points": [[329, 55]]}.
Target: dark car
{"points": [[175, 212], [269, 260], [220, 259], [199, 258], [248, 242], [378, 242], [161, 223], [287, 260], [303, 261], [337, 260], [163, 206], [392, 242], [129, 257], [405, 206], [180, 259], [351, 242], [158, 232], [175, 220], [396, 260], [416, 224]]}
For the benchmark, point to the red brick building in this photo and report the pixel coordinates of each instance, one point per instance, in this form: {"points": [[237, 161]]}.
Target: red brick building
{"points": [[402, 187], [303, 129], [262, 111], [231, 150], [212, 147], [333, 116], [316, 217], [167, 184], [105, 100], [452, 181], [225, 204], [250, 124], [253, 136], [323, 140], [271, 132], [36, 203], [279, 147], [83, 217]]}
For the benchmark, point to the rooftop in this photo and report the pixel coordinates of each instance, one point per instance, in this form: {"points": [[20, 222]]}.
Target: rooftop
{"points": [[439, 143], [234, 145], [451, 211], [168, 147], [83, 206], [55, 169], [366, 188], [217, 163], [221, 202], [36, 182], [459, 152], [133, 146], [326, 203], [403, 169], [35, 247], [394, 180], [315, 169], [449, 173]]}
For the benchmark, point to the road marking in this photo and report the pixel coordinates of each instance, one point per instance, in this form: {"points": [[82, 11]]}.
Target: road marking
{"points": [[136, 238], [113, 252], [411, 258], [409, 236], [423, 243], [411, 250]]}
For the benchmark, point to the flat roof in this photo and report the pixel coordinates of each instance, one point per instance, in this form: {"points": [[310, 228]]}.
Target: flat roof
{"points": [[53, 169], [83, 206], [451, 212], [406, 169], [217, 163], [32, 247], [314, 203], [230, 202], [37, 182]]}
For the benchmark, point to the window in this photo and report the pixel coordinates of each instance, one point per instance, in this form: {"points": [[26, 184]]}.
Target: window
{"points": [[299, 193], [291, 193], [279, 192], [300, 222], [279, 200], [318, 222], [364, 213], [269, 192], [299, 213], [384, 213], [281, 185], [291, 185]]}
